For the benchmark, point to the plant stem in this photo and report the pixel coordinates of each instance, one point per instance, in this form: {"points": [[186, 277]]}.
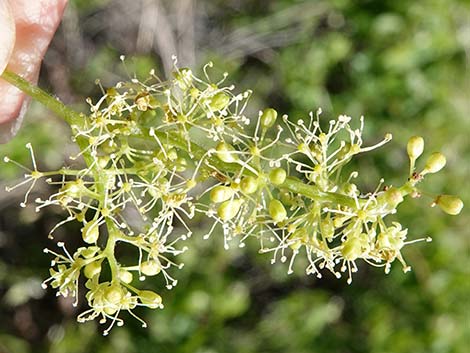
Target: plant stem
{"points": [[291, 183], [69, 115]]}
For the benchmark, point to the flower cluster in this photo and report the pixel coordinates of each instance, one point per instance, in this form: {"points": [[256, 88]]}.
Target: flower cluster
{"points": [[308, 206], [151, 146]]}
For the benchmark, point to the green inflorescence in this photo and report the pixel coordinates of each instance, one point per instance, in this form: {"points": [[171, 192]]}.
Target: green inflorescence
{"points": [[153, 149]]}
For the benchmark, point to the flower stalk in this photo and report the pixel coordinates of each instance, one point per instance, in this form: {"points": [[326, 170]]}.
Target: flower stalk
{"points": [[148, 144]]}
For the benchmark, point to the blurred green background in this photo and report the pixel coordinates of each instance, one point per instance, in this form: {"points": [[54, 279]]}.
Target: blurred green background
{"points": [[404, 65]]}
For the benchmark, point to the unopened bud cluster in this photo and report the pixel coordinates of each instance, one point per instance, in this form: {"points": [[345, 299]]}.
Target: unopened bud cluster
{"points": [[158, 152]]}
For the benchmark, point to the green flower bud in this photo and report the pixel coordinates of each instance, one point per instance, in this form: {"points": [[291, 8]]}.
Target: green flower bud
{"points": [[125, 276], [449, 204], [229, 209], [277, 176], [351, 249], [150, 268], [249, 185], [392, 238], [277, 211], [220, 101], [74, 188], [92, 269], [225, 152], [268, 118], [90, 232], [150, 299], [435, 163], [415, 147], [114, 294], [221, 194], [392, 197], [110, 311]]}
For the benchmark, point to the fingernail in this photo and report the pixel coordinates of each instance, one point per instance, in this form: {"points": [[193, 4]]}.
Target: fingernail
{"points": [[7, 34]]}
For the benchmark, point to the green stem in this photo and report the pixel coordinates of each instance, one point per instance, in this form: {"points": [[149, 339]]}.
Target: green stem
{"points": [[291, 183], [69, 115], [109, 251], [72, 118]]}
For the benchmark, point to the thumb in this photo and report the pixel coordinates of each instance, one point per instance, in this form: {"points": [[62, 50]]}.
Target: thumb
{"points": [[7, 34]]}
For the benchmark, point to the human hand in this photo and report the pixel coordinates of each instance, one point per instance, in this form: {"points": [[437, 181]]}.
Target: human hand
{"points": [[26, 29]]}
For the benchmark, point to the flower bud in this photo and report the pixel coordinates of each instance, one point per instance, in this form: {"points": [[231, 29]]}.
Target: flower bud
{"points": [[449, 204], [268, 118], [110, 311], [225, 152], [220, 101], [150, 299], [150, 268], [435, 163], [351, 249], [249, 185], [229, 209], [277, 176], [92, 269], [392, 198], [125, 276], [90, 232], [277, 211], [221, 194], [74, 188], [415, 147], [114, 294]]}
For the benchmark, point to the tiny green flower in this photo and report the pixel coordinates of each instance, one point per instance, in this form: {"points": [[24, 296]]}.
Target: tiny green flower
{"points": [[435, 163], [450, 204], [249, 185], [415, 147], [221, 193], [229, 209], [277, 176], [277, 211], [268, 118]]}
